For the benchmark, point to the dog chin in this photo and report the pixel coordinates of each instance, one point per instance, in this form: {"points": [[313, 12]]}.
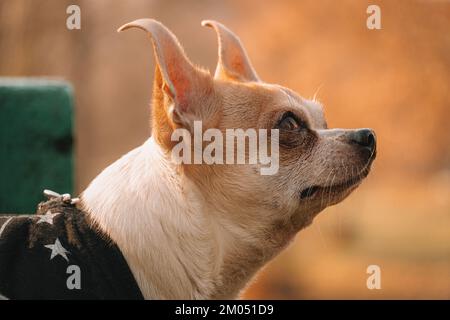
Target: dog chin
{"points": [[323, 197], [342, 192], [334, 193]]}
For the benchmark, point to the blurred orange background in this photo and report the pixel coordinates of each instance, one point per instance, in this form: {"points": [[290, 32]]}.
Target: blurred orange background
{"points": [[395, 80]]}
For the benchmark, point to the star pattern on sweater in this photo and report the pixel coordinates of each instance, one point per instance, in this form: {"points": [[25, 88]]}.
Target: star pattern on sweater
{"points": [[48, 217], [57, 250]]}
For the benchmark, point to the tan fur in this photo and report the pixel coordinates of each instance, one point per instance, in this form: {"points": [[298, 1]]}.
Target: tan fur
{"points": [[202, 231]]}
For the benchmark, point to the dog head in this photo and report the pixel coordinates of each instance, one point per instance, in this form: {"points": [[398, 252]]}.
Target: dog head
{"points": [[318, 166]]}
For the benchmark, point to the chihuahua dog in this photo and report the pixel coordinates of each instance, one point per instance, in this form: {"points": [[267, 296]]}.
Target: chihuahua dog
{"points": [[202, 230]]}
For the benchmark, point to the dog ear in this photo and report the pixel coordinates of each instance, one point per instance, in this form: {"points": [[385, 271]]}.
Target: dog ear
{"points": [[233, 60], [181, 80]]}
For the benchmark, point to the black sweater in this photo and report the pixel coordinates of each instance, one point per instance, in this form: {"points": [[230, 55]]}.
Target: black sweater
{"points": [[58, 254]]}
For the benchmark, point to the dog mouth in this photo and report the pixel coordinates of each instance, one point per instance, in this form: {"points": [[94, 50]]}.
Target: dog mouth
{"points": [[313, 190], [309, 192]]}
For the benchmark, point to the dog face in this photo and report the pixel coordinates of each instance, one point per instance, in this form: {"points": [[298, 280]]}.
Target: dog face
{"points": [[318, 166]]}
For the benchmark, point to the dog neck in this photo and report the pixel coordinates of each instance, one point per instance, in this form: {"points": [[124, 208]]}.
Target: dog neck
{"points": [[172, 243]]}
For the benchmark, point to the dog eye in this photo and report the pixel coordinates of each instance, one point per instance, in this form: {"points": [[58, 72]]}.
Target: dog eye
{"points": [[289, 122]]}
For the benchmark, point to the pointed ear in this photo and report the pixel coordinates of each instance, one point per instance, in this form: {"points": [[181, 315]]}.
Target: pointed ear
{"points": [[181, 80], [233, 60]]}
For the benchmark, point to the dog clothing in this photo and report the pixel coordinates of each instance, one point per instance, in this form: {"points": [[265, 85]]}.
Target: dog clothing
{"points": [[59, 254]]}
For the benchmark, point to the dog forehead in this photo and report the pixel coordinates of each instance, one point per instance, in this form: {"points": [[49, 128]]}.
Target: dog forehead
{"points": [[290, 98], [255, 98], [297, 100]]}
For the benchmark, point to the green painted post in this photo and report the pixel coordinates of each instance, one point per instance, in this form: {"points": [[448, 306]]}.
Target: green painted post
{"points": [[36, 149]]}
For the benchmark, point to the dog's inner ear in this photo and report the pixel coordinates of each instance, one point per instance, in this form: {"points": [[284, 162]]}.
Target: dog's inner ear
{"points": [[176, 77], [233, 61]]}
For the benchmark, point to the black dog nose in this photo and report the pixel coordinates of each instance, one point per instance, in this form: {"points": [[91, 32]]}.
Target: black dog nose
{"points": [[365, 138]]}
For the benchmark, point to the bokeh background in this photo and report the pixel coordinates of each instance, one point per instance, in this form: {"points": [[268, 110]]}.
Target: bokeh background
{"points": [[395, 80]]}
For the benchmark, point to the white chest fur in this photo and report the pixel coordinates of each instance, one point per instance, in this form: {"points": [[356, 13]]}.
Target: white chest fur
{"points": [[157, 222]]}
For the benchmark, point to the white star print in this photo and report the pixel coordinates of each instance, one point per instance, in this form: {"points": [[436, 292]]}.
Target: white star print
{"points": [[48, 217], [57, 249]]}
